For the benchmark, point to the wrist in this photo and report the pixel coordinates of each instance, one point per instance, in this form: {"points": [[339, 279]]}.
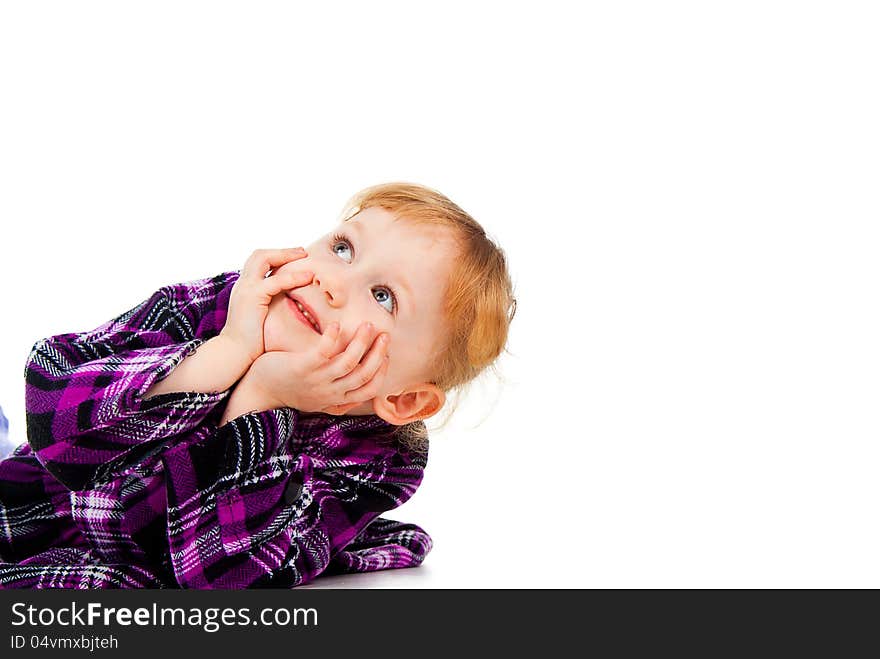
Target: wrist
{"points": [[248, 397], [232, 352], [229, 361], [237, 347]]}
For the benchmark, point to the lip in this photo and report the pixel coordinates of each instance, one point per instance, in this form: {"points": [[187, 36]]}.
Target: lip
{"points": [[311, 313]]}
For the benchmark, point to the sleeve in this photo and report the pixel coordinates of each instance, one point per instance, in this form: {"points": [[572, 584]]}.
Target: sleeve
{"points": [[383, 545], [277, 525], [84, 391]]}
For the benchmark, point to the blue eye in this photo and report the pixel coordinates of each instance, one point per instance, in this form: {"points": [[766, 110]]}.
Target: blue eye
{"points": [[389, 297], [340, 240], [340, 243]]}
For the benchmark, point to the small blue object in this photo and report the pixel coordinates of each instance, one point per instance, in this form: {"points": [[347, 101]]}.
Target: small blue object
{"points": [[5, 447]]}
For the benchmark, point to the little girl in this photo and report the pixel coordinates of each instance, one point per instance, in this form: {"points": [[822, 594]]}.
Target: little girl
{"points": [[247, 429]]}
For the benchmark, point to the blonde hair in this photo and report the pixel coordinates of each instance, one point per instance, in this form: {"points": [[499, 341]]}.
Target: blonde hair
{"points": [[479, 304]]}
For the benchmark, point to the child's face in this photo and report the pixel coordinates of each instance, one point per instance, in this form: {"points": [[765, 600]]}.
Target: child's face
{"points": [[353, 282]]}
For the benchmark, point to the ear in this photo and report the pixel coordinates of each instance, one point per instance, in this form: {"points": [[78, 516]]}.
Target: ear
{"points": [[412, 404]]}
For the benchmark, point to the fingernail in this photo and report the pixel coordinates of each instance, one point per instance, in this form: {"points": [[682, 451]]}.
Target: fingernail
{"points": [[384, 338], [370, 327]]}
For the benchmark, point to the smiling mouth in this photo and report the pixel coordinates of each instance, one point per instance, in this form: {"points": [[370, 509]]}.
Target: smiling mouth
{"points": [[306, 315]]}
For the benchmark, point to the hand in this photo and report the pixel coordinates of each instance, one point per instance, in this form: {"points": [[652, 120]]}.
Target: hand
{"points": [[251, 294], [326, 379]]}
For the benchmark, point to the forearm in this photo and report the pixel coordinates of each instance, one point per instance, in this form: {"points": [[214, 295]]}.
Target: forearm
{"points": [[215, 366]]}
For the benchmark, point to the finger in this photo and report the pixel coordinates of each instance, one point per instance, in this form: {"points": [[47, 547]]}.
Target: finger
{"points": [[329, 345], [284, 281], [339, 409], [261, 260], [372, 387], [347, 361], [368, 367]]}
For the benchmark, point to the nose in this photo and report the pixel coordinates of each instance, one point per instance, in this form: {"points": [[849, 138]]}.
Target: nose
{"points": [[333, 292]]}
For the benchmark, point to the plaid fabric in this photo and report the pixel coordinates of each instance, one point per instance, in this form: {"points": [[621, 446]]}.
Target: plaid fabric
{"points": [[112, 491]]}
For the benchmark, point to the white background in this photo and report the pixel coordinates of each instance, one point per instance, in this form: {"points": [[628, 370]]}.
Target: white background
{"points": [[687, 194]]}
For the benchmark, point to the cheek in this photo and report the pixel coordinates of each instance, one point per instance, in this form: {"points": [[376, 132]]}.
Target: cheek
{"points": [[404, 367]]}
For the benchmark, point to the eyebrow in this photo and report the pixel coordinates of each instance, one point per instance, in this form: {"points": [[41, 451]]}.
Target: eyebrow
{"points": [[410, 298]]}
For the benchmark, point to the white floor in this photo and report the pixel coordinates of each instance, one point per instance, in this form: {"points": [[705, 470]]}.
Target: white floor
{"points": [[418, 577]]}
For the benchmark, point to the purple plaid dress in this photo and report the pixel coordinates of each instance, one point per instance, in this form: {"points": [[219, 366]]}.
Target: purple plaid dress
{"points": [[112, 491]]}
